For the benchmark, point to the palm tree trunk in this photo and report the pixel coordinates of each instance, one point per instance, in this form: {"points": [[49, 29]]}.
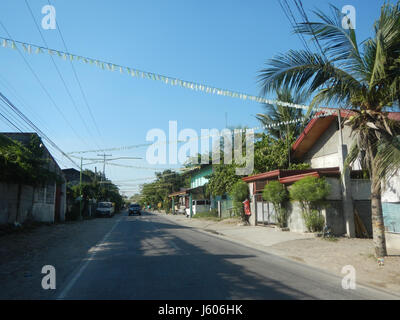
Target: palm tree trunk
{"points": [[378, 226]]}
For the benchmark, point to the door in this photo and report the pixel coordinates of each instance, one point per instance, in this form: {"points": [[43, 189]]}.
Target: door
{"points": [[57, 205]]}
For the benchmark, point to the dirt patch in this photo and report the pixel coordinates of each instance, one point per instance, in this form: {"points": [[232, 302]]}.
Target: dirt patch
{"points": [[23, 254], [334, 255]]}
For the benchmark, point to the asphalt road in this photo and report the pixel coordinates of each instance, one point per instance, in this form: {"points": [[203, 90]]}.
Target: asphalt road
{"points": [[150, 257]]}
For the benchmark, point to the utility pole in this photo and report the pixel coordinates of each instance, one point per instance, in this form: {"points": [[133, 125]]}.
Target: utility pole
{"points": [[104, 167], [348, 207], [104, 163]]}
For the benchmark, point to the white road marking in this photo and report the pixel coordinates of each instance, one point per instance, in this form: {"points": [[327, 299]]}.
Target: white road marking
{"points": [[82, 268]]}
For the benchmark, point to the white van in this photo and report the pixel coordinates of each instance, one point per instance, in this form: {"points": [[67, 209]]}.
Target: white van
{"points": [[105, 209]]}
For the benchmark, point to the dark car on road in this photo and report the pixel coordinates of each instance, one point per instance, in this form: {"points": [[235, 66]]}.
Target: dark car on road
{"points": [[134, 209]]}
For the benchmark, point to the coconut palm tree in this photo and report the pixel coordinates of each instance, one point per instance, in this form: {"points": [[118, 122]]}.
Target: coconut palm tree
{"points": [[364, 78], [277, 113]]}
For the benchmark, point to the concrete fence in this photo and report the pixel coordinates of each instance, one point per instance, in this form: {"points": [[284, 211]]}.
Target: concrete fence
{"points": [[35, 203]]}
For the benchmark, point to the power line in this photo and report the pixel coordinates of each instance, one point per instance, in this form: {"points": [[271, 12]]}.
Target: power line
{"points": [[78, 81], [43, 87], [22, 101], [10, 123], [11, 118], [60, 75], [265, 127], [34, 127]]}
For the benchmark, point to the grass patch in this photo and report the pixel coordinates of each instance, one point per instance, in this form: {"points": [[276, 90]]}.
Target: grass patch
{"points": [[330, 238], [206, 216]]}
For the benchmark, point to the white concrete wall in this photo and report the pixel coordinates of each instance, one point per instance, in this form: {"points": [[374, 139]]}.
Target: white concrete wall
{"points": [[391, 190], [43, 212], [295, 219], [8, 203], [336, 189], [360, 189], [392, 240], [324, 153], [39, 208]]}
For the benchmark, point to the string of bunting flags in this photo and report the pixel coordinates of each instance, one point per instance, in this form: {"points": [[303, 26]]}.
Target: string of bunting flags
{"points": [[32, 48], [274, 125]]}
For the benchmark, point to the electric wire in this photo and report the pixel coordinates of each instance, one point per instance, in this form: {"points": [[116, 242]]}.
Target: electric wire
{"points": [[44, 88], [79, 82], [61, 77]]}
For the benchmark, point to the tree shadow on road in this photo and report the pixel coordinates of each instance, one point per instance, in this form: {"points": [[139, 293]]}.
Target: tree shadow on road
{"points": [[147, 259]]}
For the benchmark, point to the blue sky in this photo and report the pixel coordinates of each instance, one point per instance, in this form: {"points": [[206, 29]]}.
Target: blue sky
{"points": [[221, 43]]}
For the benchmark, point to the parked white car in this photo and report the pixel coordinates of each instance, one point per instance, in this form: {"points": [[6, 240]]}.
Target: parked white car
{"points": [[105, 209]]}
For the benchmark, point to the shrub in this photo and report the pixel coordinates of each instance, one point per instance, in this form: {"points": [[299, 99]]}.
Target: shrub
{"points": [[275, 192], [311, 192], [239, 193], [314, 220]]}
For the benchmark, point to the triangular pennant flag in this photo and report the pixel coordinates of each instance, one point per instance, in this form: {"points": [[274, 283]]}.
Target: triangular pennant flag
{"points": [[4, 43], [13, 46]]}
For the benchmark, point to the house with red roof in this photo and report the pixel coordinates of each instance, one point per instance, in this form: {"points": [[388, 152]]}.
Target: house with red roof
{"points": [[324, 145]]}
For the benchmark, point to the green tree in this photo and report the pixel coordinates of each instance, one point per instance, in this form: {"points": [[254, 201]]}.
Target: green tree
{"points": [[222, 179], [310, 192], [366, 77], [271, 154], [239, 192], [276, 193], [166, 183], [277, 113]]}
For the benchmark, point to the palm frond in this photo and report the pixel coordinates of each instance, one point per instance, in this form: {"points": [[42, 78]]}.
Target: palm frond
{"points": [[387, 160], [352, 156], [339, 44]]}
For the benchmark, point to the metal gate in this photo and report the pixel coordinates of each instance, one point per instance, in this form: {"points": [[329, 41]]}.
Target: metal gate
{"points": [[265, 212]]}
